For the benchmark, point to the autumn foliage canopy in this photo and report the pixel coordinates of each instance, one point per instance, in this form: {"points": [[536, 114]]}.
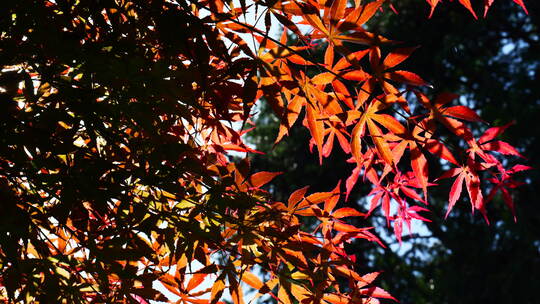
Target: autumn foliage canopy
{"points": [[117, 122]]}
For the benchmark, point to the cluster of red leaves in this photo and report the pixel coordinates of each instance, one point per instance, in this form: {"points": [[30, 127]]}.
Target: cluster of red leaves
{"points": [[137, 187], [355, 99], [467, 4]]}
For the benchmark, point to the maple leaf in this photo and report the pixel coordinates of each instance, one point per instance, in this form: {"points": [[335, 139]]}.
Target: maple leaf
{"points": [[447, 115], [261, 178], [334, 28], [467, 5], [367, 121], [382, 69], [339, 70], [520, 3], [433, 5], [469, 174]]}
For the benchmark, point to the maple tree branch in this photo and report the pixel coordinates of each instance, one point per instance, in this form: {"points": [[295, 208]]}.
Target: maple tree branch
{"points": [[338, 76]]}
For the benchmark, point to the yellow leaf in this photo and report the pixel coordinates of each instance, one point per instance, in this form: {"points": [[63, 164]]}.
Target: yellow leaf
{"points": [[252, 280], [299, 292], [299, 276], [283, 296]]}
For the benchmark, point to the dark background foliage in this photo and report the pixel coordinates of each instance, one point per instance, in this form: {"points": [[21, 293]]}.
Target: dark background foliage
{"points": [[494, 64], [119, 89]]}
